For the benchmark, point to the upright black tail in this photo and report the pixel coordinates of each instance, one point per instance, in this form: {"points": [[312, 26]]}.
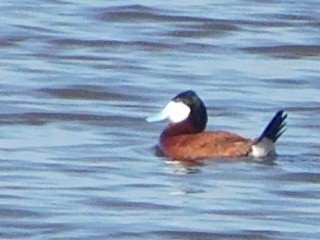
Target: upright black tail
{"points": [[275, 128]]}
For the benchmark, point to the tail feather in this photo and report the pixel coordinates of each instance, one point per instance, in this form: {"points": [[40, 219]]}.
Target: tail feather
{"points": [[275, 128], [265, 144]]}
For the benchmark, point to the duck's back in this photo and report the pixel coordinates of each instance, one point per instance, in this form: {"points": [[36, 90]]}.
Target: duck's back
{"points": [[204, 145]]}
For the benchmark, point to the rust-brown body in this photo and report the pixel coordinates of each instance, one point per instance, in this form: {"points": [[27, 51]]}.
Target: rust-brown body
{"points": [[182, 142]]}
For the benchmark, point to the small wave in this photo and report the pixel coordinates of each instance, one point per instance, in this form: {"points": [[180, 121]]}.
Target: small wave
{"points": [[183, 234], [285, 51]]}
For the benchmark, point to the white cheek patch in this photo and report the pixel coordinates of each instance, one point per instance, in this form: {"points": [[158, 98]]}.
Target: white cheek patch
{"points": [[177, 111], [174, 111]]}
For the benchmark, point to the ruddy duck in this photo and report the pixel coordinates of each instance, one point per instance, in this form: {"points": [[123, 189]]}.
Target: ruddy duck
{"points": [[185, 139]]}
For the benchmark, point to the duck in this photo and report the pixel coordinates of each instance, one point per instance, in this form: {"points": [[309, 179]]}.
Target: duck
{"points": [[185, 137]]}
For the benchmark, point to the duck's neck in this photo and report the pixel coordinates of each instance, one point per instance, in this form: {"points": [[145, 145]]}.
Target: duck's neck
{"points": [[185, 127]]}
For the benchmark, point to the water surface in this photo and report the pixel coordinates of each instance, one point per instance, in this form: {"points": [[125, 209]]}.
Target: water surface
{"points": [[78, 79]]}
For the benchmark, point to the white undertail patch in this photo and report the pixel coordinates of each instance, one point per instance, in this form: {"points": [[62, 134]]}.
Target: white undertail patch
{"points": [[263, 148]]}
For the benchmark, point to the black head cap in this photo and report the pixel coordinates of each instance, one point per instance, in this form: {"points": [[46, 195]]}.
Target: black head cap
{"points": [[198, 112]]}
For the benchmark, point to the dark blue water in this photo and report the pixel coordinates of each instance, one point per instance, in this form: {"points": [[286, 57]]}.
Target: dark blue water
{"points": [[78, 78]]}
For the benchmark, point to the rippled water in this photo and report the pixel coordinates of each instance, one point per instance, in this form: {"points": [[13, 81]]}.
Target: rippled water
{"points": [[77, 79]]}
